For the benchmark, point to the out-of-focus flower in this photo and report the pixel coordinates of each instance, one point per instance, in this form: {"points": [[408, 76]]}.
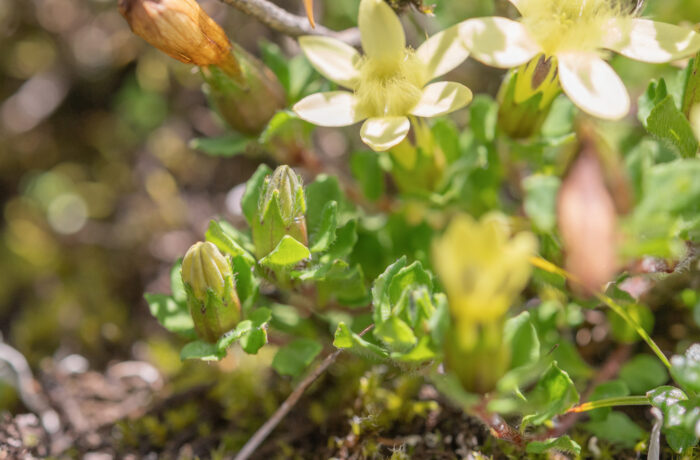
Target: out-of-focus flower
{"points": [[388, 83], [483, 270], [281, 211], [576, 34], [211, 291], [180, 29], [588, 222]]}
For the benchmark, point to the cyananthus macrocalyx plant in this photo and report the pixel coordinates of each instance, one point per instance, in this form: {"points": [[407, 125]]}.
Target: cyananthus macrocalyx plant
{"points": [[577, 34], [483, 270], [389, 84]]}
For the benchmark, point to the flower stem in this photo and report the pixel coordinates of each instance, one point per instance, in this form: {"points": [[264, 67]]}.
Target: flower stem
{"points": [[610, 402], [620, 310]]}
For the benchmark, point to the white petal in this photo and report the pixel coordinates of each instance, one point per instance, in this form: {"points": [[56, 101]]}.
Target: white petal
{"points": [[593, 85], [383, 133], [381, 31], [498, 42], [334, 59], [442, 52], [441, 98], [335, 108], [651, 41]]}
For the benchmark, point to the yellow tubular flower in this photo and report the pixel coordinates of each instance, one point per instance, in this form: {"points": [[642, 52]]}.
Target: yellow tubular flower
{"points": [[389, 83], [577, 33], [482, 268]]}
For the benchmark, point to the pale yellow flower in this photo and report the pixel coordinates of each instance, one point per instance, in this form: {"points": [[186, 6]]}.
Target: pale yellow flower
{"points": [[482, 268], [577, 33], [389, 83]]}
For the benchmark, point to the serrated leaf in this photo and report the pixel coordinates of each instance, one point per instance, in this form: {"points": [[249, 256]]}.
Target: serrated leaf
{"points": [[172, 315], [396, 334], [225, 242], [686, 369], [251, 196], [295, 357], [655, 93], [642, 373], [668, 123], [287, 253], [554, 393], [325, 234], [562, 444], [228, 145], [521, 335]]}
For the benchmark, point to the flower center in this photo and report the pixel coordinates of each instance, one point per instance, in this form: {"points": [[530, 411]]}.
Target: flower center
{"points": [[570, 25], [389, 88]]}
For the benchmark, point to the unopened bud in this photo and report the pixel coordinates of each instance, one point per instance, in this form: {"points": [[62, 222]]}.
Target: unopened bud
{"points": [[246, 102], [180, 29], [526, 97], [587, 220], [281, 211], [211, 291]]}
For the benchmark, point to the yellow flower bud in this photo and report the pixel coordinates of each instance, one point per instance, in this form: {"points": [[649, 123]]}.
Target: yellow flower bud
{"points": [[211, 291]]}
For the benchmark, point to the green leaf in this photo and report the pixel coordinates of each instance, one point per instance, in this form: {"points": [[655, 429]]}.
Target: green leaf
{"points": [[246, 284], [422, 352], [554, 393], [409, 278], [680, 422], [665, 396], [396, 334], [225, 242], [172, 315], [321, 191], [562, 444], [446, 133], [668, 123], [541, 200], [691, 93], [521, 335], [295, 357], [345, 239], [439, 322], [655, 93], [177, 286], [484, 117], [642, 373], [274, 58], [686, 369], [325, 234], [605, 390], [253, 340], [251, 196], [381, 302], [367, 171], [346, 339], [617, 428], [287, 253], [228, 145], [672, 187], [201, 350]]}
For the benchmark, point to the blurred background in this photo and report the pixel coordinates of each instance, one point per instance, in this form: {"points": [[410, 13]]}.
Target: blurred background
{"points": [[99, 190]]}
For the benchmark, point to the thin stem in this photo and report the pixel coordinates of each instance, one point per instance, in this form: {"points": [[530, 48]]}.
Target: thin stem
{"points": [[611, 402], [550, 267], [282, 411]]}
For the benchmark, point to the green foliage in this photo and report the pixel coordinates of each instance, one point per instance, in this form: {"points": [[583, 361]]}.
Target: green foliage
{"points": [[686, 369], [562, 444], [295, 357], [554, 394], [642, 373]]}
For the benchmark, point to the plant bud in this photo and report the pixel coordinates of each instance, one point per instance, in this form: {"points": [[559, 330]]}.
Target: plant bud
{"points": [[211, 291], [182, 30], [588, 222], [526, 97], [281, 211], [245, 103]]}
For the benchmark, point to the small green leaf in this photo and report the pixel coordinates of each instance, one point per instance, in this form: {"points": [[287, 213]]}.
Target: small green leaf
{"points": [[225, 242], [655, 93], [345, 239], [691, 95], [665, 396], [228, 145], [246, 284], [541, 200], [325, 234], [611, 389], [321, 191], [295, 357], [409, 278], [172, 315], [251, 196], [642, 373], [521, 334], [562, 444], [380, 291], [686, 369], [253, 340], [680, 422], [287, 253], [554, 393], [367, 171], [617, 428], [201, 350], [668, 123], [346, 339], [177, 286], [396, 334], [484, 117]]}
